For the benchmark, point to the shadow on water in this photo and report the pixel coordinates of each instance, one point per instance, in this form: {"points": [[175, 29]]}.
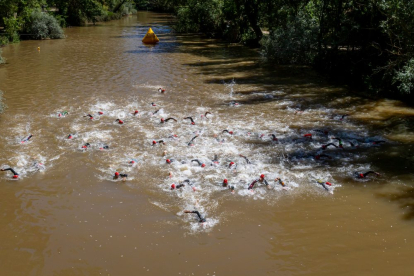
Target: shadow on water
{"points": [[404, 197]]}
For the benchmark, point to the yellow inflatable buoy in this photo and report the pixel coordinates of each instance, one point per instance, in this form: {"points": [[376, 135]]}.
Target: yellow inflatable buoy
{"points": [[38, 48], [150, 37]]}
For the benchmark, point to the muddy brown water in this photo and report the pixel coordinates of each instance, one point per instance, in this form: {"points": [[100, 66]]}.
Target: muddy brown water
{"points": [[72, 219]]}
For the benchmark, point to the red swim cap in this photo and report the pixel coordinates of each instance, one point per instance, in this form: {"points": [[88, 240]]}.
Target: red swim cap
{"points": [[168, 161], [153, 142], [162, 90], [100, 112], [175, 135], [203, 165], [225, 181], [192, 123], [262, 176], [70, 137], [162, 120], [120, 122], [172, 186], [84, 147], [91, 118], [231, 132], [328, 183], [361, 175], [15, 176], [60, 115], [136, 111], [307, 135], [116, 173], [231, 163], [132, 162]]}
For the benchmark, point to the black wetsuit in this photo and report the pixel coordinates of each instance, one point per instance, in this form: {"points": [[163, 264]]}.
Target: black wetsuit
{"points": [[10, 169], [245, 158], [363, 175], [190, 143], [27, 139], [327, 145], [229, 132], [322, 183], [198, 161], [255, 181], [205, 115], [89, 115], [200, 218], [191, 119]]}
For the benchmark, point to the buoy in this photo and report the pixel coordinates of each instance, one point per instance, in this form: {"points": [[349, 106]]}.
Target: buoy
{"points": [[38, 48], [150, 37]]}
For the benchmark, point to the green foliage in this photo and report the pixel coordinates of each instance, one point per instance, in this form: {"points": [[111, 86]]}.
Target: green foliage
{"points": [[43, 25], [11, 27], [295, 43], [2, 59], [405, 77], [2, 105]]}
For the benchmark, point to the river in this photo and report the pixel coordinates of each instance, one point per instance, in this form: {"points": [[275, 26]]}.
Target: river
{"points": [[71, 218]]}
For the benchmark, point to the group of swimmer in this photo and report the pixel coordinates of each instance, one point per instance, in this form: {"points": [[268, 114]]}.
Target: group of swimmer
{"points": [[214, 162]]}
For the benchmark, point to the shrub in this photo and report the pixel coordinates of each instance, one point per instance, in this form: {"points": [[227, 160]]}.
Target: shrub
{"points": [[295, 43], [2, 105], [2, 60], [43, 25], [405, 78]]}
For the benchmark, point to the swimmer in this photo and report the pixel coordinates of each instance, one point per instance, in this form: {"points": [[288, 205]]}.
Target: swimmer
{"points": [[119, 121], [27, 138], [159, 142], [261, 180], [122, 175], [173, 186], [87, 145], [308, 135], [319, 156], [161, 90], [215, 161], [323, 184], [363, 175], [232, 165], [343, 117], [104, 147], [280, 182], [15, 174], [190, 143], [233, 103], [156, 111], [327, 145], [273, 137], [191, 119], [200, 218], [169, 161], [199, 163], [225, 184], [153, 104], [168, 119], [135, 113], [339, 141], [245, 158], [69, 136], [89, 115], [100, 113], [229, 132], [63, 114], [133, 161]]}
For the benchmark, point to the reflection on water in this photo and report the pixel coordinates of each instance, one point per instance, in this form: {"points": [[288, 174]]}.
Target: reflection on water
{"points": [[71, 217]]}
